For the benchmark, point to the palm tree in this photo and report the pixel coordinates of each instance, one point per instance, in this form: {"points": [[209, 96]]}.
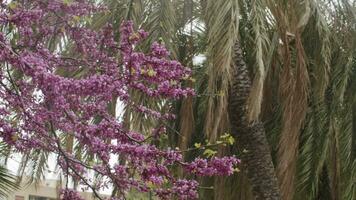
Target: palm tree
{"points": [[222, 54], [289, 51], [250, 136]]}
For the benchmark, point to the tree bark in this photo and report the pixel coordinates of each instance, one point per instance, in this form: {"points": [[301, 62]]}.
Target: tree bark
{"points": [[250, 137]]}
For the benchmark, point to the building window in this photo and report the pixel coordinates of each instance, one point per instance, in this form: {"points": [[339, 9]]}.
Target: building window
{"points": [[19, 197], [32, 197]]}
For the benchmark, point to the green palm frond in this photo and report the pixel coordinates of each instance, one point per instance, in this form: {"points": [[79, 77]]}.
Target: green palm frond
{"points": [[315, 140], [161, 24], [222, 18], [7, 182], [261, 44], [347, 163], [37, 167]]}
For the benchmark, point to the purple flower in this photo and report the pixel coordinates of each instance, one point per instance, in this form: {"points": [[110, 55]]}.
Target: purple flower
{"points": [[68, 194], [66, 96]]}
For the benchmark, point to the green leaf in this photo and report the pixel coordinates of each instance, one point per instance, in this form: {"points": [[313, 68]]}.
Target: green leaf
{"points": [[236, 169], [67, 2], [230, 140], [226, 135], [76, 18], [173, 82], [209, 153], [219, 142], [151, 72], [13, 5]]}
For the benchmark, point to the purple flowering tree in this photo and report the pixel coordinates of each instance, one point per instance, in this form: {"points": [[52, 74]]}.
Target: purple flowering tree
{"points": [[39, 106]]}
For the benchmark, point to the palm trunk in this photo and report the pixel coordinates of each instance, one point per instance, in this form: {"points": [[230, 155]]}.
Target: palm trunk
{"points": [[250, 137]]}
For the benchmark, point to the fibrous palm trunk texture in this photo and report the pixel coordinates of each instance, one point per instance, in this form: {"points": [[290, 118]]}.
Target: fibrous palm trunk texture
{"points": [[250, 137]]}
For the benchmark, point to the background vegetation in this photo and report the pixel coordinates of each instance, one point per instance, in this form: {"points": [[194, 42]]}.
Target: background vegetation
{"points": [[300, 56]]}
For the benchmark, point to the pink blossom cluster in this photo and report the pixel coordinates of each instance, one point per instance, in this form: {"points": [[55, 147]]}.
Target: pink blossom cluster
{"points": [[215, 166], [47, 94], [185, 189], [68, 194]]}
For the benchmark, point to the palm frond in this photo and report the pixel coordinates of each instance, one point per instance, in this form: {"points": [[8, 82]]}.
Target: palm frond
{"points": [[293, 90], [315, 140], [38, 167], [258, 13], [7, 182], [222, 26]]}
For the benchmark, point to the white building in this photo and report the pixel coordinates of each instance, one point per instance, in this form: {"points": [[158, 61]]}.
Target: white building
{"points": [[46, 190]]}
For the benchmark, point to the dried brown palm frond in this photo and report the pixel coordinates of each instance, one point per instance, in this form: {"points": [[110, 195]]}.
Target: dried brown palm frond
{"points": [[293, 89]]}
